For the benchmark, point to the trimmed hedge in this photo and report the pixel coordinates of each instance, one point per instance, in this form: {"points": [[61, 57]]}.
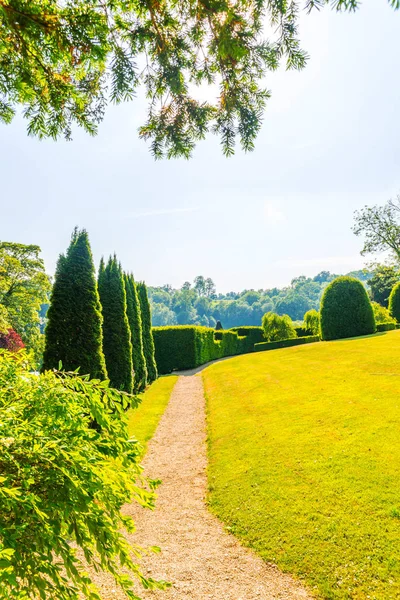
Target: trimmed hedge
{"points": [[255, 333], [188, 346], [386, 326], [394, 302], [286, 343], [346, 310]]}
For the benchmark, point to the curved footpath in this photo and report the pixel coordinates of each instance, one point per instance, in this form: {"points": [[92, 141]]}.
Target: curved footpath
{"points": [[201, 560]]}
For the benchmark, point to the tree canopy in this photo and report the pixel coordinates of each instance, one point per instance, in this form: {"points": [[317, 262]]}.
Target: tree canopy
{"points": [[63, 62], [380, 226], [24, 286]]}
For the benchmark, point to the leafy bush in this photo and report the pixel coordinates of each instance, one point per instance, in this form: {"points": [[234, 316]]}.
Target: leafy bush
{"points": [[346, 310], [63, 481], [394, 302], [286, 343], [311, 322], [381, 314], [277, 327], [11, 341]]}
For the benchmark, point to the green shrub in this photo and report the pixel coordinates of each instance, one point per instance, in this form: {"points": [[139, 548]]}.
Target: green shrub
{"points": [[218, 325], [311, 322], [286, 343], [253, 334], [302, 331], [277, 327], [116, 332], [62, 481], [394, 302], [386, 326], [148, 342], [346, 310]]}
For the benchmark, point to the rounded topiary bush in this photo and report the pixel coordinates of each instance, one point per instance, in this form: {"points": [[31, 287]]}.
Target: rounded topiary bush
{"points": [[346, 310], [394, 302]]}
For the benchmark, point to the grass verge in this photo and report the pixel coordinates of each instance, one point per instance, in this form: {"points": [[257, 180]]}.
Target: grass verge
{"points": [[304, 451], [143, 420]]}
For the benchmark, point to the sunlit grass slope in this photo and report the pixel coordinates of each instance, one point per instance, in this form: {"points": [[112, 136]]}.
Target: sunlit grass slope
{"points": [[143, 420], [304, 447]]}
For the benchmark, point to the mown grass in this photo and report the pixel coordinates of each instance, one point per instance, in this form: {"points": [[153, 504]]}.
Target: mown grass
{"points": [[304, 449], [143, 420]]}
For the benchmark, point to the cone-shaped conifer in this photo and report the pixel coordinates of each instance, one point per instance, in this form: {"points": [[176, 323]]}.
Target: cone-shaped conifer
{"points": [[116, 333], [148, 343], [74, 326], [135, 324]]}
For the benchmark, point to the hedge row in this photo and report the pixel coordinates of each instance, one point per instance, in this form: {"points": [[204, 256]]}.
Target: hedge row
{"points": [[386, 326], [286, 343], [188, 346]]}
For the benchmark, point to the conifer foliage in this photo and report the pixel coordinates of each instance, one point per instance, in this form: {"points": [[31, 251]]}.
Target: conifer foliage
{"points": [[116, 332], [135, 325], [74, 327], [148, 343]]}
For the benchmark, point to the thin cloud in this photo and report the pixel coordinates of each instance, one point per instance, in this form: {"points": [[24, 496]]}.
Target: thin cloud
{"points": [[164, 211]]}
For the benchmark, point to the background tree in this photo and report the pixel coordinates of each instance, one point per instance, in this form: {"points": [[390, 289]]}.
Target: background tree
{"points": [[311, 322], [277, 327], [380, 226], [117, 344], [135, 325], [63, 62], [381, 314], [394, 302], [74, 327], [148, 342], [381, 283], [24, 286]]}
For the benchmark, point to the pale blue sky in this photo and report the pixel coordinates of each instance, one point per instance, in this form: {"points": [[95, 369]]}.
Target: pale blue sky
{"points": [[329, 144]]}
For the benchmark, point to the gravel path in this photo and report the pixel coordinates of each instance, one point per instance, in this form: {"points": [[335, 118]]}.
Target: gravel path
{"points": [[198, 556]]}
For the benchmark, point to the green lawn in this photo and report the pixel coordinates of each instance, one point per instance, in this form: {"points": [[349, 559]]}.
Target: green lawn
{"points": [[304, 448], [143, 420]]}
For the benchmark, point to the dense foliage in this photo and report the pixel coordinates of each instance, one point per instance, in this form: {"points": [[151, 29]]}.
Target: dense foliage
{"points": [[148, 342], [277, 327], [24, 286], [64, 61], [381, 283], [311, 322], [135, 325], [190, 305], [346, 310], [117, 344], [74, 327], [394, 302], [62, 481]]}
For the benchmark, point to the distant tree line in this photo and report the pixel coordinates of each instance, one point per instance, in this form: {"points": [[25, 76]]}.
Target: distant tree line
{"points": [[199, 304]]}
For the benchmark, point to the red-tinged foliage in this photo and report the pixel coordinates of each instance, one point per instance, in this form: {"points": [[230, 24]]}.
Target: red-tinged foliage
{"points": [[11, 341]]}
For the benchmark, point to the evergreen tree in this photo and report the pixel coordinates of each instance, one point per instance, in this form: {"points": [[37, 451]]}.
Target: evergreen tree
{"points": [[135, 324], [117, 337], [73, 332], [148, 343]]}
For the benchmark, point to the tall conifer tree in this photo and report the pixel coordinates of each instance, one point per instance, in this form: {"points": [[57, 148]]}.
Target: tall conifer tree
{"points": [[116, 332], [74, 327], [135, 324], [148, 343]]}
